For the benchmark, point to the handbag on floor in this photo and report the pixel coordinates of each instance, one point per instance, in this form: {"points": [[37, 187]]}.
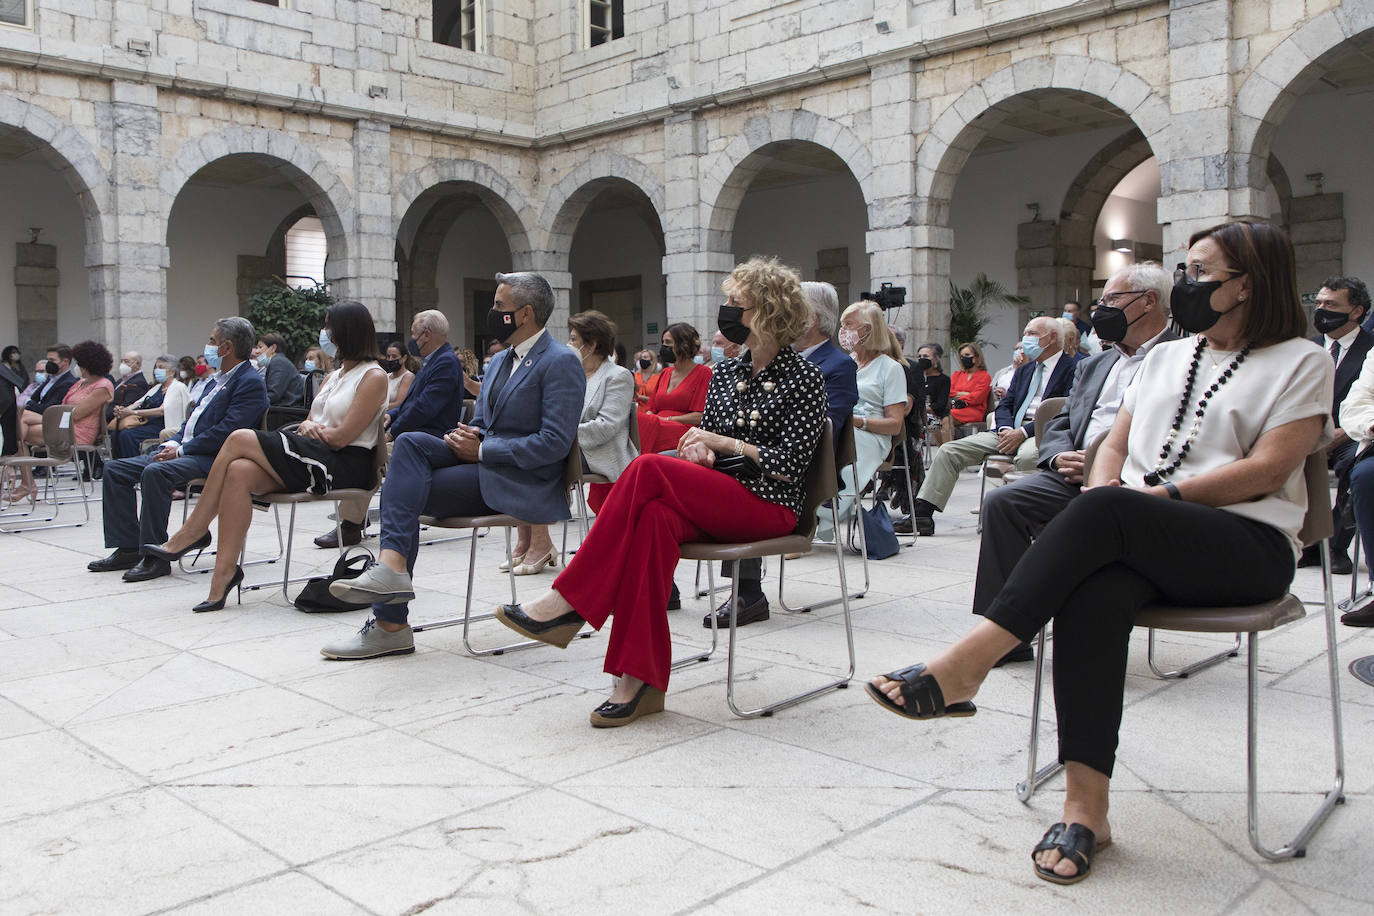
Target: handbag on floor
{"points": [[879, 536], [315, 597]]}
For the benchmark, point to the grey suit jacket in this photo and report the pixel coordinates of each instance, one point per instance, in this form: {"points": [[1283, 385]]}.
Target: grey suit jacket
{"points": [[607, 412], [1066, 432]]}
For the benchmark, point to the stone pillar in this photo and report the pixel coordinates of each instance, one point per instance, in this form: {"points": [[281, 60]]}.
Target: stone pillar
{"points": [[371, 277], [35, 297], [696, 260], [129, 271], [1054, 264], [904, 248], [1316, 224]]}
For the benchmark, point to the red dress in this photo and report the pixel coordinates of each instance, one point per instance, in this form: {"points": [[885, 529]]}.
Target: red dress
{"points": [[657, 434], [977, 384]]}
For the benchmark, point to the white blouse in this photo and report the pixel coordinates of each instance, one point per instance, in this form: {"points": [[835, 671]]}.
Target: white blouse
{"points": [[1275, 385], [336, 396]]}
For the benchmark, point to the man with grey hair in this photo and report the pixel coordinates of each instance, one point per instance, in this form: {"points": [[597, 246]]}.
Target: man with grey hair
{"points": [[433, 405], [1131, 319], [132, 384], [510, 460], [237, 400]]}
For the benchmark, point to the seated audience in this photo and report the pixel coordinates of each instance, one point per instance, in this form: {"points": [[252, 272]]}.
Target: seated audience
{"points": [[59, 376], [928, 360], [11, 383], [510, 460], [432, 405], [333, 448], [1002, 377], [768, 406], [969, 387], [235, 398], [399, 374], [89, 393], [1196, 497], [285, 387], [131, 386], [164, 406], [1048, 375], [645, 374], [315, 365], [1131, 320], [206, 379], [13, 359], [680, 394], [472, 373]]}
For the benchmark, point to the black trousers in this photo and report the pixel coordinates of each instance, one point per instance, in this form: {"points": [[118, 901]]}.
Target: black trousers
{"points": [[1110, 552], [1013, 516]]}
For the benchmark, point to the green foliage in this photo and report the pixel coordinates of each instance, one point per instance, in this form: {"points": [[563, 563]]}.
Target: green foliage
{"points": [[968, 308], [296, 314]]}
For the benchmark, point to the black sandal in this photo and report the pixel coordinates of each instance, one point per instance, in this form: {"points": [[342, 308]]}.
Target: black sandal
{"points": [[922, 694], [1076, 843]]}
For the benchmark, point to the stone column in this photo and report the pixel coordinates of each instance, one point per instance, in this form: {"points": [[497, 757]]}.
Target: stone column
{"points": [[371, 277], [35, 297], [904, 249], [696, 259], [1316, 224]]}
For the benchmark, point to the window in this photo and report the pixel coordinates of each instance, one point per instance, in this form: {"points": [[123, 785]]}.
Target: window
{"points": [[459, 24], [305, 252], [17, 12], [605, 21]]}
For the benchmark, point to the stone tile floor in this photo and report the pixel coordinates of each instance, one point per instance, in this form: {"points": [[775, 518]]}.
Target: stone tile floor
{"points": [[155, 760]]}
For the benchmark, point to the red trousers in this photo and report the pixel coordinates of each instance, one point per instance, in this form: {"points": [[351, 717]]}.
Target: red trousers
{"points": [[625, 566]]}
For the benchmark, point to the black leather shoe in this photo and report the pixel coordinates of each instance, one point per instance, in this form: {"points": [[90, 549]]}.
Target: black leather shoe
{"points": [[1341, 565], [122, 558], [647, 700], [218, 605], [1311, 556], [1022, 653], [902, 525], [148, 568], [675, 599], [557, 632], [924, 525], [352, 534], [748, 613], [1362, 617], [155, 552]]}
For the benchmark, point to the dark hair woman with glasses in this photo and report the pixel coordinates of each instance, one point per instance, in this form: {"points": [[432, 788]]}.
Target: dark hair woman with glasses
{"points": [[1196, 497]]}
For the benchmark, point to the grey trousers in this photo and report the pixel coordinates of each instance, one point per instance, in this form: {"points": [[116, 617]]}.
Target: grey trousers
{"points": [[1013, 517], [954, 457]]}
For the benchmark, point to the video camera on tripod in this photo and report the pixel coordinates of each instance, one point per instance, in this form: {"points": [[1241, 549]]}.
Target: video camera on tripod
{"points": [[887, 296]]}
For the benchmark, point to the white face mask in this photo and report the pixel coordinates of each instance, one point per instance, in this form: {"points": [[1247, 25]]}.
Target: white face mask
{"points": [[124, 369], [849, 339]]}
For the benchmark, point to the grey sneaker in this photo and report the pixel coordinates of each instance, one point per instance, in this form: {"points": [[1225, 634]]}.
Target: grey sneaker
{"points": [[372, 642], [377, 585]]}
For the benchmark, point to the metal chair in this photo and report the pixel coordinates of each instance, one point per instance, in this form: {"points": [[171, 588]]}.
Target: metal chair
{"points": [[999, 467], [587, 477], [572, 470], [1251, 620], [891, 464], [59, 446], [821, 484]]}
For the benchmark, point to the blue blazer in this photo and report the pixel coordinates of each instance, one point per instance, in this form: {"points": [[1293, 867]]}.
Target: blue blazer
{"points": [[435, 400], [528, 430], [1059, 386], [240, 405], [841, 384]]}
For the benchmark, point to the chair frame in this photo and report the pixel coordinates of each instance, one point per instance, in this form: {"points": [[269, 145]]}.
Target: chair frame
{"points": [[59, 444], [1317, 527], [1046, 411]]}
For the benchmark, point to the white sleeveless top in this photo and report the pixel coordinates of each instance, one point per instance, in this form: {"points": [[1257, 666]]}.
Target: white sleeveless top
{"points": [[336, 396], [394, 383]]}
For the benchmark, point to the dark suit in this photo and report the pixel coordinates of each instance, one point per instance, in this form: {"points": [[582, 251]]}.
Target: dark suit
{"points": [[1015, 514], [285, 385], [238, 402], [1342, 457], [127, 391], [435, 399], [51, 393], [841, 383], [1059, 386]]}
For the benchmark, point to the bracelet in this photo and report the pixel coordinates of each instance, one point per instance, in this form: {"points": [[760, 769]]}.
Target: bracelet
{"points": [[739, 448], [864, 421], [1172, 489]]}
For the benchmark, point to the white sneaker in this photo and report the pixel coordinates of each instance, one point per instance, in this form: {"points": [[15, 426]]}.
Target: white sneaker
{"points": [[378, 584], [372, 642]]}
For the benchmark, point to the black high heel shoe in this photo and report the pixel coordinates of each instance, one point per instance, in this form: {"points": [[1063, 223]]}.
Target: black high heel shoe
{"points": [[647, 700], [208, 605], [171, 556]]}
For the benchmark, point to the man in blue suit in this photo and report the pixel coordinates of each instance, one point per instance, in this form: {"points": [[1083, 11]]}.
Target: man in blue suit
{"points": [[510, 460], [433, 405], [238, 400], [1049, 374]]}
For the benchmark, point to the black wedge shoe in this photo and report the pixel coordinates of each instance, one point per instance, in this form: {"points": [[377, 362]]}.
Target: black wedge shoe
{"points": [[647, 701], [171, 556], [557, 632], [234, 583]]}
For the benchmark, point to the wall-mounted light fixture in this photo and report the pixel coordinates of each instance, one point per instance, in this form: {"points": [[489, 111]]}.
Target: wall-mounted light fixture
{"points": [[1035, 211], [1125, 246], [882, 26], [1317, 178]]}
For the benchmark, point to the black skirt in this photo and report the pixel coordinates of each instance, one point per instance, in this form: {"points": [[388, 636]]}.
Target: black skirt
{"points": [[308, 465]]}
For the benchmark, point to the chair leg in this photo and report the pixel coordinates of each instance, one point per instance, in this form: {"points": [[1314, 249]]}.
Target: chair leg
{"points": [[1296, 848], [191, 569], [1355, 594], [863, 552], [1036, 777], [1183, 672], [715, 631]]}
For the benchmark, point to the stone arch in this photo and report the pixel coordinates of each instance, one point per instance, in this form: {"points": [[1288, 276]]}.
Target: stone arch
{"points": [[568, 200], [498, 194], [327, 193], [956, 133], [727, 174], [1286, 72]]}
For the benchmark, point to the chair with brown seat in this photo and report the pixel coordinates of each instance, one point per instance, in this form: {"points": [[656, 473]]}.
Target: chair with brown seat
{"points": [[1251, 620], [572, 471], [59, 447], [821, 485]]}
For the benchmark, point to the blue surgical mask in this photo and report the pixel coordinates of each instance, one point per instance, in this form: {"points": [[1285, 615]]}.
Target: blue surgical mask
{"points": [[159, 375], [263, 359], [41, 378], [309, 365], [717, 354], [326, 344], [212, 356], [1030, 345], [698, 360]]}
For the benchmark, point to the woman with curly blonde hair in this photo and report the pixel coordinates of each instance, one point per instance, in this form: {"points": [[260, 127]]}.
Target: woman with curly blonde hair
{"points": [[762, 419]]}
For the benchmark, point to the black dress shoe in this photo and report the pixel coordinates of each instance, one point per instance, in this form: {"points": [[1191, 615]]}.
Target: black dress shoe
{"points": [[1311, 556], [1341, 565], [675, 599], [1022, 653], [122, 558], [352, 534], [1362, 617], [902, 525], [924, 525], [148, 568], [748, 613]]}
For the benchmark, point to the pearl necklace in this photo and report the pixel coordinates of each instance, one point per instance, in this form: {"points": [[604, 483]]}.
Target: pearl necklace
{"points": [[1161, 471]]}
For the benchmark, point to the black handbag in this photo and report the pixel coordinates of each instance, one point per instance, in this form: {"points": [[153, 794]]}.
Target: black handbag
{"points": [[879, 536], [740, 467], [315, 598]]}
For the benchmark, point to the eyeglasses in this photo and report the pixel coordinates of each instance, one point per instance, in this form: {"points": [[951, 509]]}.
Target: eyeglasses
{"points": [[1190, 275], [1111, 299]]}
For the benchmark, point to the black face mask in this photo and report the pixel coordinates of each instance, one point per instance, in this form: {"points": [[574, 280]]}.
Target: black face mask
{"points": [[391, 365], [1110, 324], [923, 364], [643, 363], [413, 347], [500, 325], [1191, 304], [666, 356], [53, 368], [730, 320], [1326, 321], [966, 362]]}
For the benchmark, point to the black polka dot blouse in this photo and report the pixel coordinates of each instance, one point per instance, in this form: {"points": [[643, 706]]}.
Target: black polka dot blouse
{"points": [[781, 411]]}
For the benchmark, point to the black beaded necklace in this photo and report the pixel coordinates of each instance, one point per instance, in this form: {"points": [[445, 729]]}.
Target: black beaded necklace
{"points": [[1161, 471]]}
